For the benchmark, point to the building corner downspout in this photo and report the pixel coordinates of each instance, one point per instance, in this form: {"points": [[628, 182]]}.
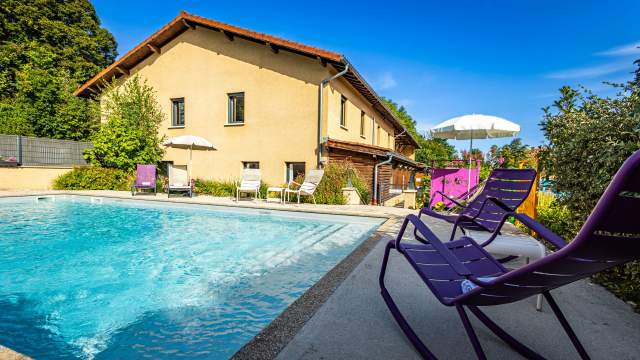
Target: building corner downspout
{"points": [[321, 109], [374, 200]]}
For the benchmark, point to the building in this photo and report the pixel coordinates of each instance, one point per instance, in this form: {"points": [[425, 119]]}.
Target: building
{"points": [[264, 102]]}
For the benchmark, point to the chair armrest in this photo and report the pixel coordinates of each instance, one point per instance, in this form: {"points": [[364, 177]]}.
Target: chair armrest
{"points": [[453, 200], [542, 231], [449, 257]]}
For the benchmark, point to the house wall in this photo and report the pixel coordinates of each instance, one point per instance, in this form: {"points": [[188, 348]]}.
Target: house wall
{"points": [[354, 105], [281, 103]]}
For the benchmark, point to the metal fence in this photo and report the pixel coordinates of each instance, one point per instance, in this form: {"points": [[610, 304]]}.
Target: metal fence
{"points": [[27, 150]]}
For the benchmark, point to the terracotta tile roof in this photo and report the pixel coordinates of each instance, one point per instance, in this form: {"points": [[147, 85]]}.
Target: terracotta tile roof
{"points": [[184, 21]]}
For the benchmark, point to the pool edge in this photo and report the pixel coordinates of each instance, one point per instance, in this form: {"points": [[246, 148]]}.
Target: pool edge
{"points": [[269, 342]]}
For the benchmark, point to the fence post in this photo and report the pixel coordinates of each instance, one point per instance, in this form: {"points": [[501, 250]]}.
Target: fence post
{"points": [[19, 144]]}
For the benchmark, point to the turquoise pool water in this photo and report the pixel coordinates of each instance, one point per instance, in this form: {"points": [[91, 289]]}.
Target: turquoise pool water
{"points": [[83, 278]]}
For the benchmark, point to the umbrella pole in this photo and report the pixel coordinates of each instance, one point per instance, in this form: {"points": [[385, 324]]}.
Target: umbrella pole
{"points": [[190, 162], [469, 172]]}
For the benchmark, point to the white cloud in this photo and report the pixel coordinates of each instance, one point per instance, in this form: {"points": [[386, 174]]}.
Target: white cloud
{"points": [[624, 50], [591, 71], [386, 81]]}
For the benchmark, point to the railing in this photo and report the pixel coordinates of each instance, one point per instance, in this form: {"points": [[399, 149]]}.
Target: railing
{"points": [[16, 150]]}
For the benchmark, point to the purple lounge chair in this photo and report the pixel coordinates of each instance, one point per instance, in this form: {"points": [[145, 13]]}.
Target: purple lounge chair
{"points": [[609, 237], [145, 179], [504, 191]]}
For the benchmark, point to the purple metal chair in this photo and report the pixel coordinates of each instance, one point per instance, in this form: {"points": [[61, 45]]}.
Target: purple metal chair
{"points": [[145, 179], [504, 191], [609, 237]]}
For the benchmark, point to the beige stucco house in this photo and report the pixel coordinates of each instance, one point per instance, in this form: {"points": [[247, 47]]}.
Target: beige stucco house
{"points": [[264, 102]]}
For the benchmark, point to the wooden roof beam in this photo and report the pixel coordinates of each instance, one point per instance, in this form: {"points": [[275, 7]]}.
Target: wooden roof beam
{"points": [[274, 49], [122, 70], [188, 24], [227, 34], [154, 48]]}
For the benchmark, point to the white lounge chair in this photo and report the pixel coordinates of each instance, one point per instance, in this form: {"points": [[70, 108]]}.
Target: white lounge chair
{"points": [[179, 180], [308, 186], [250, 183]]}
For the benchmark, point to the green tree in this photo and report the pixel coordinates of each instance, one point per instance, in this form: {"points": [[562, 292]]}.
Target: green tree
{"points": [[129, 136], [48, 49], [430, 148], [509, 155]]}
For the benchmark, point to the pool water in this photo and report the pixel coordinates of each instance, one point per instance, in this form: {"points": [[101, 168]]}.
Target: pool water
{"points": [[97, 278]]}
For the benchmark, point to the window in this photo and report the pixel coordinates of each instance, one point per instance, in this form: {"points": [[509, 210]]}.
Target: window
{"points": [[177, 112], [250, 165], [294, 170], [236, 108], [343, 111], [362, 124]]}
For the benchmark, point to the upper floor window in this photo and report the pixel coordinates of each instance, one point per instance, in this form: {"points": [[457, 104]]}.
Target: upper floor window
{"points": [[343, 111], [362, 118], [236, 108], [177, 112]]}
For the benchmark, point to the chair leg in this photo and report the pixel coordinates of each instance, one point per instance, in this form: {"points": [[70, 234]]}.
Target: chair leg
{"points": [[397, 315], [565, 325], [471, 333], [510, 340]]}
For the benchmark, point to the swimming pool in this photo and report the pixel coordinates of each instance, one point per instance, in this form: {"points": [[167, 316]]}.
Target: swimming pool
{"points": [[83, 277]]}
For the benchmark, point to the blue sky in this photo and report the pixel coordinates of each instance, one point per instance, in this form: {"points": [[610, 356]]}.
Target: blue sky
{"points": [[439, 59]]}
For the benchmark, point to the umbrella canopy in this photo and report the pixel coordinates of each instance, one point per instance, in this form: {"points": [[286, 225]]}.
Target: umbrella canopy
{"points": [[190, 142], [475, 126]]}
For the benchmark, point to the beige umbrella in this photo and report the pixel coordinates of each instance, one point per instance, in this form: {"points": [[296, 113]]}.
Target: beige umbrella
{"points": [[475, 126], [190, 142]]}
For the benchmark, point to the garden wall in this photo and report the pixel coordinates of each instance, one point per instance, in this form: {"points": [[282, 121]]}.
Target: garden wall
{"points": [[29, 177]]}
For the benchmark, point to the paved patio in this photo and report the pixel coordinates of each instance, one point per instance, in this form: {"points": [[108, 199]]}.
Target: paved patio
{"points": [[354, 322]]}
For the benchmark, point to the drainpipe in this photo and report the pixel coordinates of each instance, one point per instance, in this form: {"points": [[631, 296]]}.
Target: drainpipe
{"points": [[375, 178], [321, 108]]}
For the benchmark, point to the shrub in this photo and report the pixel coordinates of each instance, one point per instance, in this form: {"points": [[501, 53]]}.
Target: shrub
{"points": [[336, 177], [222, 188], [94, 178], [555, 216], [130, 134], [589, 139]]}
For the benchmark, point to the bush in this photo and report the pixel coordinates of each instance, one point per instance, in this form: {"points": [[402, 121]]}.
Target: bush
{"points": [[222, 188], [336, 176], [589, 139], [94, 178], [555, 216], [130, 134]]}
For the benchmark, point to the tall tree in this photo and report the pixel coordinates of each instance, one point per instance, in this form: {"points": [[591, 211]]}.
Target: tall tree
{"points": [[48, 48], [509, 155], [430, 149]]}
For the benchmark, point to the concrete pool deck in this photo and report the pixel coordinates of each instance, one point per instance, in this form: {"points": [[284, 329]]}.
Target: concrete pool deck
{"points": [[344, 316]]}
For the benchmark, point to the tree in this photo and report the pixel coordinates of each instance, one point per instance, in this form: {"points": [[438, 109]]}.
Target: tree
{"points": [[508, 156], [430, 148], [129, 136], [48, 49]]}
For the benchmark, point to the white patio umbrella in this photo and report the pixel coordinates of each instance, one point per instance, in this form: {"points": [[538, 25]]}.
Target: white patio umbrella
{"points": [[190, 142], [475, 126]]}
